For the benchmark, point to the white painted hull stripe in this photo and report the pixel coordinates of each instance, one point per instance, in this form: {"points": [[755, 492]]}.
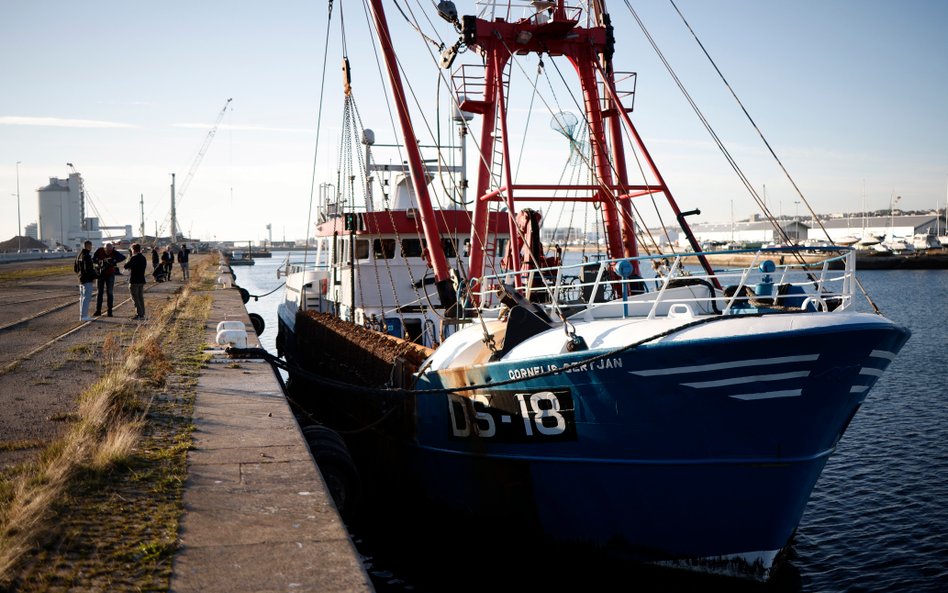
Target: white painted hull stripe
{"points": [[748, 379], [768, 394], [726, 365], [883, 354], [871, 371], [858, 388]]}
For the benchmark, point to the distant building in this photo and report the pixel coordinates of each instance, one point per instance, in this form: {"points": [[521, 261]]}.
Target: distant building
{"points": [[889, 227], [62, 216], [62, 211], [30, 231], [561, 234], [750, 232], [840, 230]]}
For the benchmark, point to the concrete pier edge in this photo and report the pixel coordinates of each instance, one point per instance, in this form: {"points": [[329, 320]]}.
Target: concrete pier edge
{"points": [[257, 513]]}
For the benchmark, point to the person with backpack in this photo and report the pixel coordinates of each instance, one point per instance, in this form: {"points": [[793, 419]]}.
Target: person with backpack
{"points": [[85, 269], [105, 260]]}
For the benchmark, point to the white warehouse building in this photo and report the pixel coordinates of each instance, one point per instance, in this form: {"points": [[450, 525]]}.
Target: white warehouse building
{"points": [[840, 230], [61, 212]]}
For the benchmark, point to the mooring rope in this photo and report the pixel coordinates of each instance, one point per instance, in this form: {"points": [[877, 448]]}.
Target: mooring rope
{"points": [[259, 296], [315, 378]]}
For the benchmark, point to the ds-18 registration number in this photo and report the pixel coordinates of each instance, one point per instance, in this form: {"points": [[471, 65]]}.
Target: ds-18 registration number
{"points": [[513, 416]]}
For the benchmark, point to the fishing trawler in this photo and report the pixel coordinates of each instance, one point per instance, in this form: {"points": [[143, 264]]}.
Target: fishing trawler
{"points": [[623, 399]]}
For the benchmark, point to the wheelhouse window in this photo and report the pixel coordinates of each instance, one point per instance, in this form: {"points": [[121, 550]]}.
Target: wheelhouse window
{"points": [[415, 247], [361, 249], [450, 247], [411, 248], [384, 248]]}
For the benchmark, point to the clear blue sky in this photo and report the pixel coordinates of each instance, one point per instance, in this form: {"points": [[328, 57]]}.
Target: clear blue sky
{"points": [[851, 94]]}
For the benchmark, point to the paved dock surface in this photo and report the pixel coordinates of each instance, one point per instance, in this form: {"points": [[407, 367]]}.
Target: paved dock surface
{"points": [[258, 516]]}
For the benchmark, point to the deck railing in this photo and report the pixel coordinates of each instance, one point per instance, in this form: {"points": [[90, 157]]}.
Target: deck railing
{"points": [[512, 10], [749, 281]]}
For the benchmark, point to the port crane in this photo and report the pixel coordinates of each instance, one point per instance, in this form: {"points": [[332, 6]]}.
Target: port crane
{"points": [[194, 166]]}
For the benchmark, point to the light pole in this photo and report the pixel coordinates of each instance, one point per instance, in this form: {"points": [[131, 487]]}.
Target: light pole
{"points": [[19, 229], [796, 220]]}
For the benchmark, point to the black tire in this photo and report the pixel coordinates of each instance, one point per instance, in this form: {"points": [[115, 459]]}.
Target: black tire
{"points": [[258, 324], [337, 468], [244, 294], [322, 433]]}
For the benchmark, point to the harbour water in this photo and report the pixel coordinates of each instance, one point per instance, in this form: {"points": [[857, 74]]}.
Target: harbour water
{"points": [[877, 520]]}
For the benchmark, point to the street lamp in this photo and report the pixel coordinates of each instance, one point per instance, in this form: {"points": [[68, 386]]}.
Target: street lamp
{"points": [[19, 229], [796, 219]]}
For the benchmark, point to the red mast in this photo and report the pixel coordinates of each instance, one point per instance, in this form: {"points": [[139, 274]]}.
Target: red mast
{"points": [[419, 173], [590, 51]]}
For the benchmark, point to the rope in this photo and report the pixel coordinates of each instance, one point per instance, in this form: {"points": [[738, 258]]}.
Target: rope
{"points": [[319, 119], [779, 229], [259, 296], [315, 378]]}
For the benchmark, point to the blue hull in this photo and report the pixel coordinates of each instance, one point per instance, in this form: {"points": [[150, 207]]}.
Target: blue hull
{"points": [[695, 451], [699, 453]]}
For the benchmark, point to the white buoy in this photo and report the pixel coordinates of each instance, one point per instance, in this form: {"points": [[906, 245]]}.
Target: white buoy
{"points": [[224, 281], [231, 324], [236, 338]]}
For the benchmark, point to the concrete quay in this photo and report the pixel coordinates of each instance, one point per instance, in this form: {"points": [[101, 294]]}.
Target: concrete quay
{"points": [[257, 514]]}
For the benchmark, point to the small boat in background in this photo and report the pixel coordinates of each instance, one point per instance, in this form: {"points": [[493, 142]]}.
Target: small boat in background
{"points": [[239, 258], [926, 241]]}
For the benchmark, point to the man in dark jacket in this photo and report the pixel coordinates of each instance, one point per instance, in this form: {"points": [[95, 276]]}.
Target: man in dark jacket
{"points": [[86, 272], [136, 281], [183, 254], [105, 259], [167, 260]]}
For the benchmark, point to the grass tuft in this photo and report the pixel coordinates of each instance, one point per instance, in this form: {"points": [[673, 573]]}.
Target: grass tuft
{"points": [[106, 497]]}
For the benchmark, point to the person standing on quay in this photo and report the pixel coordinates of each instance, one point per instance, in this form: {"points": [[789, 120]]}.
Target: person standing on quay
{"points": [[136, 281], [86, 271], [106, 258], [167, 260], [155, 260], [183, 254]]}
